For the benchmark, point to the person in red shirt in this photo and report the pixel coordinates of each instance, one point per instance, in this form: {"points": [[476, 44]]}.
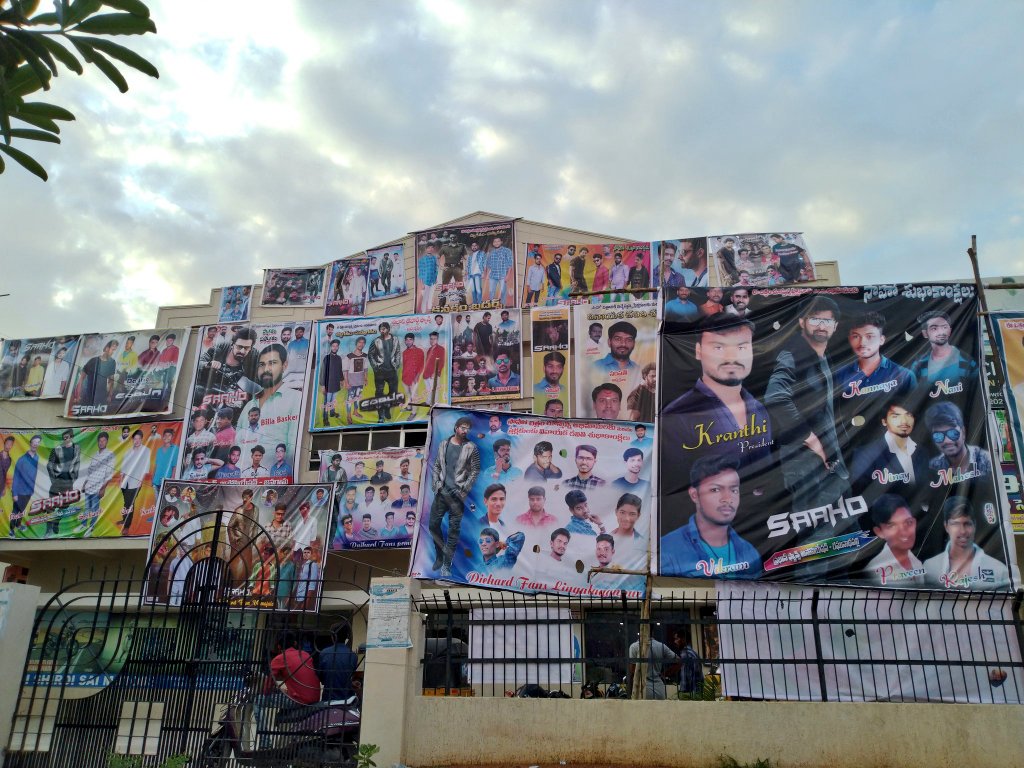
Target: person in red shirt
{"points": [[433, 364], [296, 670], [412, 366]]}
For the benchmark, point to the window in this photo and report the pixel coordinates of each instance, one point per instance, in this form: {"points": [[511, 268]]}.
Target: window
{"points": [[138, 730]]}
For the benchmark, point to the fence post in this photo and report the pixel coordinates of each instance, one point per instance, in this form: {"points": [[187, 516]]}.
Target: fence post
{"points": [[817, 646], [449, 627]]}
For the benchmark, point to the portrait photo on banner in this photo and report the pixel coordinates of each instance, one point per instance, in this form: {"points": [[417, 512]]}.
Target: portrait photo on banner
{"points": [[554, 273], [37, 369], [293, 287], [387, 272], [486, 356], [234, 304], [347, 281], [552, 368], [762, 260]]}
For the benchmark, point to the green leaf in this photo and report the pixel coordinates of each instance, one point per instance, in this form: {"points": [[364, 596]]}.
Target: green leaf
{"points": [[62, 54], [135, 7], [51, 111], [24, 81], [116, 24], [31, 60], [45, 20], [24, 161], [80, 9], [39, 122], [5, 124], [31, 41], [34, 135], [85, 47], [1, 165], [129, 57]]}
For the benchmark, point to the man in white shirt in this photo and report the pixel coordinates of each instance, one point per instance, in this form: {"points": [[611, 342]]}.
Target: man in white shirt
{"points": [[896, 565], [963, 564]]}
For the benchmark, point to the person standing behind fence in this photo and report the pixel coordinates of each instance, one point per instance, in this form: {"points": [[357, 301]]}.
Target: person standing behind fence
{"points": [[337, 664], [658, 656]]}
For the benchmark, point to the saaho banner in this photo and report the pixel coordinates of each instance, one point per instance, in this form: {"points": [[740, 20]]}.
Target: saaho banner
{"points": [[234, 304], [552, 383], [121, 375], [761, 259], [469, 267], [376, 495], [37, 369], [834, 435], [681, 262], [486, 356], [254, 546], [346, 287], [380, 370], [535, 505], [387, 272], [293, 287], [84, 482], [1009, 345], [556, 273], [245, 403], [616, 360]]}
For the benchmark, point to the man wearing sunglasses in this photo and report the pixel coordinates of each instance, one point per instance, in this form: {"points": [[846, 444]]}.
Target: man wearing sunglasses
{"points": [[945, 424]]}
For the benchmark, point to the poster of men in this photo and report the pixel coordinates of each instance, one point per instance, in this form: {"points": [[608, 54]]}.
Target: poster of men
{"points": [[245, 403], [534, 505], [763, 260], [554, 273], [387, 272], [234, 304], [1009, 345], [466, 267], [293, 287], [552, 378], [84, 482], [616, 360], [346, 287], [121, 375], [376, 496], [380, 370], [486, 356], [269, 551], [682, 262], [833, 435], [37, 369]]}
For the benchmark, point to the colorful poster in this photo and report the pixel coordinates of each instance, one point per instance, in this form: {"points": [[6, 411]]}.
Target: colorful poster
{"points": [[234, 304], [302, 287], [84, 482], [486, 356], [834, 435], [387, 272], [552, 381], [245, 403], [555, 272], [682, 262], [37, 369], [616, 360], [253, 546], [780, 258], [532, 504], [346, 287], [376, 498], [467, 267], [380, 370], [121, 375], [1009, 345]]}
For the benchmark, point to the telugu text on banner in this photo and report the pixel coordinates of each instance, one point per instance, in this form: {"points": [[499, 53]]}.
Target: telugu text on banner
{"points": [[466, 267]]}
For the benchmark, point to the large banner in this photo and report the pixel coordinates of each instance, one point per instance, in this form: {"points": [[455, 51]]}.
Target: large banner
{"points": [[387, 272], [376, 494], [763, 259], [346, 287], [379, 370], [1009, 345], [245, 403], [681, 262], [121, 375], [833, 435], [486, 356], [616, 360], [552, 380], [534, 504], [554, 273], [469, 267], [234, 304], [37, 369], [84, 482], [268, 552], [293, 287]]}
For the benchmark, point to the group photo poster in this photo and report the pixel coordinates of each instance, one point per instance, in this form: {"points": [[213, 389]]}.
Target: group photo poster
{"points": [[532, 504], [486, 356], [84, 482], [380, 370], [554, 273], [1009, 345], [552, 362], [387, 272], [346, 287], [123, 375], [376, 496], [833, 435], [762, 259], [234, 304], [682, 262], [266, 551], [467, 267], [298, 287], [616, 360], [37, 369], [245, 403]]}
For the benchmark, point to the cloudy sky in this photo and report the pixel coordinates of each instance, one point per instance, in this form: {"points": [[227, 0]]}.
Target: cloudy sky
{"points": [[293, 133]]}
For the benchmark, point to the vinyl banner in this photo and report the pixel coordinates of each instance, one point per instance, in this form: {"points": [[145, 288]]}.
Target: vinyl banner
{"points": [[37, 369], [1009, 345], [681, 262], [245, 403], [552, 381], [376, 497], [468, 267], [761, 259], [269, 551], [379, 370], [346, 287], [555, 272], [234, 304], [121, 375], [387, 272], [293, 287], [834, 435], [486, 356], [616, 360], [533, 504], [84, 482]]}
